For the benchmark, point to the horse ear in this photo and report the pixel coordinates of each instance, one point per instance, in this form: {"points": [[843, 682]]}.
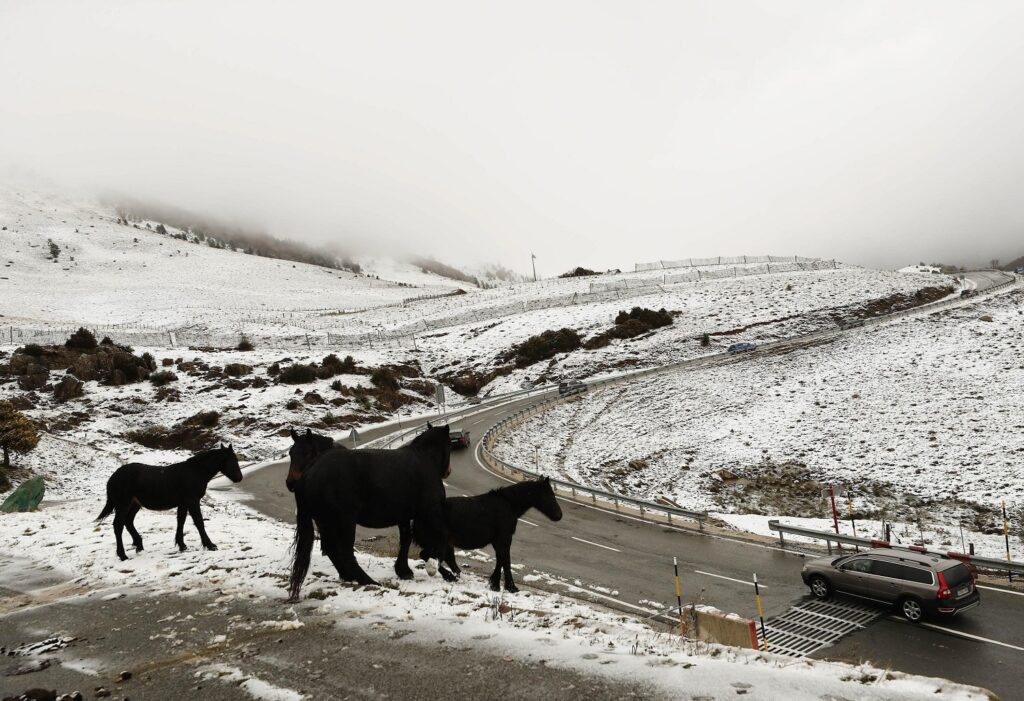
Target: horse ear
{"points": [[429, 426], [547, 480], [309, 432], [295, 436]]}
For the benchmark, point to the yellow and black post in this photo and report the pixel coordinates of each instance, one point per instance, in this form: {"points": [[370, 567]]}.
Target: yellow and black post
{"points": [[760, 613], [679, 597], [1006, 537]]}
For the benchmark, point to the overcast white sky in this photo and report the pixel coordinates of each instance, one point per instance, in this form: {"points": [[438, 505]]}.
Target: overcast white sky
{"points": [[591, 133]]}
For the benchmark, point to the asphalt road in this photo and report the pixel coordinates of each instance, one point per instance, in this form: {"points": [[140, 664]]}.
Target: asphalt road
{"points": [[624, 563]]}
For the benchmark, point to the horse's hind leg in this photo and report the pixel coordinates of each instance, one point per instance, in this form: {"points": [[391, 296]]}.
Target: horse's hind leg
{"points": [[449, 558], [119, 517], [179, 536], [338, 540], [402, 561], [129, 523], [505, 563], [197, 519]]}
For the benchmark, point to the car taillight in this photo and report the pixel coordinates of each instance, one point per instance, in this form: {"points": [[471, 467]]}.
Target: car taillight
{"points": [[944, 591]]}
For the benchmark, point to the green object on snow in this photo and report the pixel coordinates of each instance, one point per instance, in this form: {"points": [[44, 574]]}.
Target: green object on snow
{"points": [[26, 497]]}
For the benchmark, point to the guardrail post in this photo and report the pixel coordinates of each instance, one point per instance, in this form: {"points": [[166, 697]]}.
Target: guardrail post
{"points": [[782, 541], [616, 504]]}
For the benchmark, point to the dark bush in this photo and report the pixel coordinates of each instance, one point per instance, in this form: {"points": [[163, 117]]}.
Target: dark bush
{"points": [[162, 377], [187, 435], [337, 386], [33, 349], [205, 419], [579, 272], [293, 404], [83, 339], [631, 324], [384, 378], [274, 370], [339, 367], [245, 345], [298, 374], [236, 369], [543, 346], [705, 340], [149, 360]]}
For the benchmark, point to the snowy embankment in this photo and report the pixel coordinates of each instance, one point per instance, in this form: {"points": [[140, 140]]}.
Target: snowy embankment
{"points": [[921, 419], [252, 562]]}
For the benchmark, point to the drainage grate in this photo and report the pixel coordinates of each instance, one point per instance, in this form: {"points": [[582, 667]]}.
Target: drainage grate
{"points": [[811, 625]]}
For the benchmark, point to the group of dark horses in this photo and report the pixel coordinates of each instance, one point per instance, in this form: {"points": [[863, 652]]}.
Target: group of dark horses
{"points": [[337, 489]]}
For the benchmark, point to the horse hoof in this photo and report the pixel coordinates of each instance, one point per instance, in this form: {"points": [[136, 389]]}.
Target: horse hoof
{"points": [[495, 587], [405, 575], [512, 589], [211, 546], [138, 548], [182, 548], [122, 557], [431, 567]]}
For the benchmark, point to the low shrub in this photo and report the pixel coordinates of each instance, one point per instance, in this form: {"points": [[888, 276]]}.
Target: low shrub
{"points": [[245, 345], [298, 374], [543, 346], [83, 339], [33, 349], [384, 378], [162, 377]]}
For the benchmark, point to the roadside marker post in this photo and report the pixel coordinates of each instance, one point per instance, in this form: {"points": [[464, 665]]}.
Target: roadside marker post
{"points": [[1006, 537], [679, 595], [760, 612], [853, 524]]}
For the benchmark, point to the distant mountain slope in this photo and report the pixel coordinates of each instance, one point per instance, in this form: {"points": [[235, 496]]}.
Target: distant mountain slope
{"points": [[76, 260]]}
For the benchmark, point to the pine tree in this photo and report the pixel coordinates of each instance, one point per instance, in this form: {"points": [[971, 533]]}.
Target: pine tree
{"points": [[17, 433]]}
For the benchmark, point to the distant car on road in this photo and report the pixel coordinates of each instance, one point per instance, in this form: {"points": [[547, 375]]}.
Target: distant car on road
{"points": [[459, 438], [966, 293], [741, 347], [473, 400], [917, 584], [572, 387], [850, 323], [525, 384]]}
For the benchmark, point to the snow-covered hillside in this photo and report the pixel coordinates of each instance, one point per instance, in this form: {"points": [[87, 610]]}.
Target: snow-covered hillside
{"points": [[108, 273], [925, 411]]}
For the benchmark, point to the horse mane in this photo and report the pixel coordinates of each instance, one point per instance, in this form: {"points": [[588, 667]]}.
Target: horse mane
{"points": [[520, 493]]}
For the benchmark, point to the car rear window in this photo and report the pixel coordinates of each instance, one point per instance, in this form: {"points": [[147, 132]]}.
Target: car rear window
{"points": [[916, 574], [956, 575]]}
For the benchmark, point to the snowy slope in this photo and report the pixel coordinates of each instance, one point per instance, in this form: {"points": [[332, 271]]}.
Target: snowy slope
{"points": [[110, 273], [929, 409]]}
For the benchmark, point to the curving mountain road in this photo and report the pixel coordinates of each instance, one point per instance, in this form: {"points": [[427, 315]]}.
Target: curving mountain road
{"points": [[627, 564]]}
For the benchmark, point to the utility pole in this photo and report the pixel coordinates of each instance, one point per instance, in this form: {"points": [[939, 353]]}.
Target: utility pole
{"points": [[533, 261]]}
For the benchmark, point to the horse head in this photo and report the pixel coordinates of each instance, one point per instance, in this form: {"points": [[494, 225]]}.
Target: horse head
{"points": [[306, 448], [230, 467], [545, 501], [436, 442]]}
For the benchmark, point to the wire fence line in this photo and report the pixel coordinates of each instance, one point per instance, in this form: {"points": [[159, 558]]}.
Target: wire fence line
{"points": [[718, 260]]}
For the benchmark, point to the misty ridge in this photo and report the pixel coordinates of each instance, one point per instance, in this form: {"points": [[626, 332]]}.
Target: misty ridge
{"points": [[244, 238]]}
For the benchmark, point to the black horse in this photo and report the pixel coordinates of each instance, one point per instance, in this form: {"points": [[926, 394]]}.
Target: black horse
{"points": [[181, 485], [305, 449], [375, 489], [490, 519]]}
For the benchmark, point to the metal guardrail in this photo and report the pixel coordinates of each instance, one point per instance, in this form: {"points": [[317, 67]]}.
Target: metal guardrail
{"points": [[646, 510], [987, 563]]}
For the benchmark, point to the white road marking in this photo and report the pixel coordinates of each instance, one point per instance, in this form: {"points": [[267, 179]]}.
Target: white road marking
{"points": [[528, 523], [590, 542], [1000, 590], [722, 576], [961, 634]]}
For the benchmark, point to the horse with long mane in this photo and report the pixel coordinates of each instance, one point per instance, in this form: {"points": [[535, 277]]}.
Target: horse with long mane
{"points": [[161, 487], [490, 519], [305, 449], [372, 488]]}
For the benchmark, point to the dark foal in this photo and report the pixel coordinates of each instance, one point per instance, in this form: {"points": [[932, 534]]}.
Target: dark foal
{"points": [[490, 519], [159, 488]]}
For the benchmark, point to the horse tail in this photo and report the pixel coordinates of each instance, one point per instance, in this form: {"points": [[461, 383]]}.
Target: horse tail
{"points": [[302, 547], [108, 509]]}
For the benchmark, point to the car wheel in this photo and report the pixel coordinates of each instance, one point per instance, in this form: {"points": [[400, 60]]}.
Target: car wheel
{"points": [[911, 609], [820, 587]]}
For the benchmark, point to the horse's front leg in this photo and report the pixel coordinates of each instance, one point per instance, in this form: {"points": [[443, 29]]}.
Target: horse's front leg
{"points": [[197, 519], [402, 568], [179, 536]]}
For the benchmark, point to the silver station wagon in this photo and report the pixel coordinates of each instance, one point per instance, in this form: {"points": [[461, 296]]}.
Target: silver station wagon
{"points": [[918, 584]]}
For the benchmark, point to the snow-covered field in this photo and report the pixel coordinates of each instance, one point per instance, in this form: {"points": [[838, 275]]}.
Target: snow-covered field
{"points": [[923, 415], [252, 561]]}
